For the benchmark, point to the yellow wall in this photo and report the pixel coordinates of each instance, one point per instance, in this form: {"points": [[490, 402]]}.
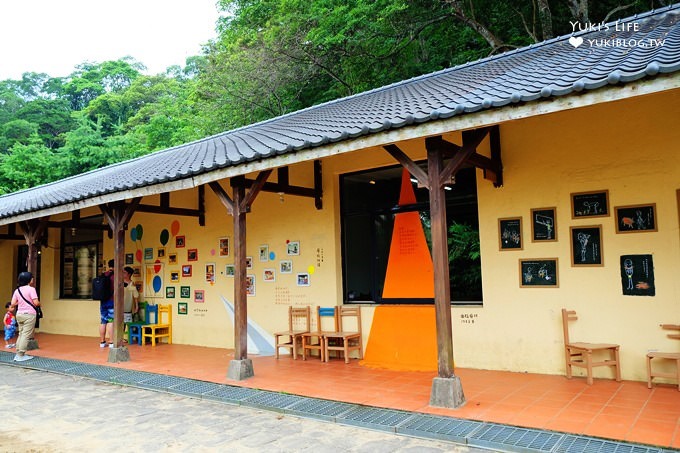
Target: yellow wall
{"points": [[629, 148]]}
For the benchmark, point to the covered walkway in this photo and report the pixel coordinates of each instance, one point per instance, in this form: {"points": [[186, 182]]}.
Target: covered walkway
{"points": [[625, 411]]}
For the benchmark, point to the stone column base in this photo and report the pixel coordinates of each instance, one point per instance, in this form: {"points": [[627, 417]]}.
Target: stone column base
{"points": [[119, 355], [240, 369], [447, 392], [32, 344]]}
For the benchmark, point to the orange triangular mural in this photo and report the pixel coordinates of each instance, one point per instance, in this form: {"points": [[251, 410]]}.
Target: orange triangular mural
{"points": [[410, 273]]}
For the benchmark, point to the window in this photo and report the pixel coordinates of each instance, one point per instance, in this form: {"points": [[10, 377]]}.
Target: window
{"points": [[369, 203], [81, 257]]}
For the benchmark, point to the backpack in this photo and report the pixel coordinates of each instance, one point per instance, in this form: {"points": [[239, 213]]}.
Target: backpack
{"points": [[101, 288]]}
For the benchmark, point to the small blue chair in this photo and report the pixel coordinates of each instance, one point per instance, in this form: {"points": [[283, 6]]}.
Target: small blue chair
{"points": [[135, 329]]}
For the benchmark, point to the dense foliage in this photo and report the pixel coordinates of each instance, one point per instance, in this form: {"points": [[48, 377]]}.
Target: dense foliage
{"points": [[271, 57]]}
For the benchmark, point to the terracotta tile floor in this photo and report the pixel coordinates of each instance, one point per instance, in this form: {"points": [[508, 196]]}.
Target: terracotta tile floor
{"points": [[627, 410]]}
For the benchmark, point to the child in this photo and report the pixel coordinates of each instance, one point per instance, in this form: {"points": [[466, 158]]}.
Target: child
{"points": [[10, 325]]}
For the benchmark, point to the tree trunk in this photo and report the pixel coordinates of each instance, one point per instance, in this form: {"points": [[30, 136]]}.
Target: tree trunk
{"points": [[545, 17]]}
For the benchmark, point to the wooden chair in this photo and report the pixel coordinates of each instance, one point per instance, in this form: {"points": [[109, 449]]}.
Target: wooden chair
{"points": [[345, 340], [581, 354], [316, 340], [161, 329], [298, 323], [665, 355]]}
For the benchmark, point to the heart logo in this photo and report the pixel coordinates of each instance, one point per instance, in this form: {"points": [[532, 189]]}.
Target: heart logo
{"points": [[574, 41]]}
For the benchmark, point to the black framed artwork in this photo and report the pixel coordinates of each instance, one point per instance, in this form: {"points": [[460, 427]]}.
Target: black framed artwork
{"points": [[636, 218], [590, 204], [543, 225], [510, 233], [538, 272], [586, 246], [637, 275]]}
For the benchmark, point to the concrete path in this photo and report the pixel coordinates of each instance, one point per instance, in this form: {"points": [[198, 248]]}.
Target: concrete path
{"points": [[48, 412]]}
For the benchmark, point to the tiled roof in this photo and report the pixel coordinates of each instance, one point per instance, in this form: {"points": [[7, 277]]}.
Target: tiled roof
{"points": [[544, 70]]}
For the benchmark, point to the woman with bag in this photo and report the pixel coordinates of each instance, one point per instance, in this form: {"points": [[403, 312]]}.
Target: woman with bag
{"points": [[26, 298]]}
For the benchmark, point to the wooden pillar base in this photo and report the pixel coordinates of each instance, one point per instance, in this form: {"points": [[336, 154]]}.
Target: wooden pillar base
{"points": [[119, 355], [447, 392], [240, 369]]}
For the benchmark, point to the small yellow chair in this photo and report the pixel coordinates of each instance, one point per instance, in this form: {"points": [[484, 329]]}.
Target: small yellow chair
{"points": [[162, 328]]}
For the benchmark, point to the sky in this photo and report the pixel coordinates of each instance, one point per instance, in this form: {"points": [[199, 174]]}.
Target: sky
{"points": [[53, 36]]}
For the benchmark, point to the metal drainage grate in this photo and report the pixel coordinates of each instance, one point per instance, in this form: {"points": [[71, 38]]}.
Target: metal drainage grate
{"points": [[103, 373], [577, 444], [374, 418], [517, 439], [6, 357], [60, 366], [271, 401], [441, 428], [160, 382], [230, 394], [131, 377], [82, 369], [319, 409], [192, 387]]}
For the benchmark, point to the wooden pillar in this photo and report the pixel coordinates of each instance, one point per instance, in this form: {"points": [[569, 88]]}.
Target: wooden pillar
{"points": [[440, 260], [33, 232], [241, 367], [240, 294], [117, 215]]}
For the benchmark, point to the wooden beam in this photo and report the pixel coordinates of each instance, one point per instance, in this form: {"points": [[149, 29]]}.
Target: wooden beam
{"points": [[471, 139], [169, 211], [223, 196], [407, 163], [496, 173], [255, 189], [201, 205], [33, 232], [318, 185]]}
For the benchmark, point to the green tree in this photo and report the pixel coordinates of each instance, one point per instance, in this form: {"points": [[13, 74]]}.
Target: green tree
{"points": [[29, 165], [16, 131]]}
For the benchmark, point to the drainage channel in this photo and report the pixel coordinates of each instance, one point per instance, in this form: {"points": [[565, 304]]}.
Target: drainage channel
{"points": [[467, 432]]}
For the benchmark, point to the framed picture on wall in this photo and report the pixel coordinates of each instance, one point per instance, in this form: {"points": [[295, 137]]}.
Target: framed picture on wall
{"points": [[179, 242], [293, 248], [590, 204], [229, 270], [186, 270], [129, 258], [249, 262], [169, 292], [199, 296], [148, 254], [303, 279], [223, 246], [192, 255], [174, 276], [543, 225], [586, 246], [264, 252], [172, 258], [637, 218], [510, 233], [185, 292], [637, 275], [250, 285], [286, 267], [269, 275], [538, 273], [182, 308]]}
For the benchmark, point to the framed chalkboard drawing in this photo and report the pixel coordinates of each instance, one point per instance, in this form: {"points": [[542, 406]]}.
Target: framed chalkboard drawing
{"points": [[636, 218], [637, 275], [590, 204], [538, 273], [543, 225], [510, 233], [586, 246]]}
